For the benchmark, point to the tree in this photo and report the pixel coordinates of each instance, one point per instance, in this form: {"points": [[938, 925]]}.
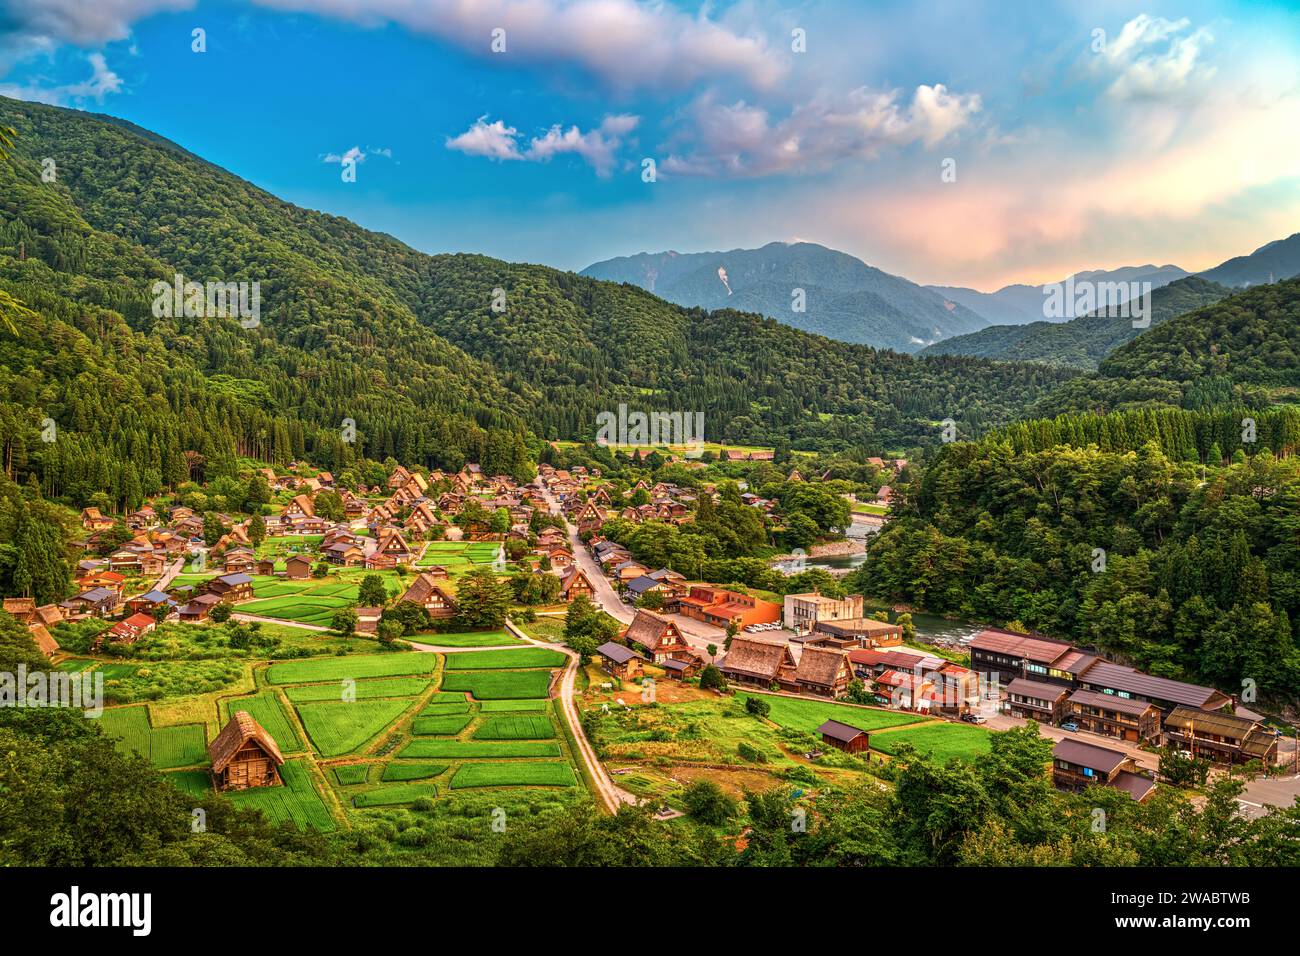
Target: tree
{"points": [[345, 621], [711, 677], [329, 505], [704, 801], [371, 593], [482, 600], [712, 650], [732, 630], [389, 630], [587, 626], [651, 601], [256, 530], [213, 529], [220, 613], [40, 569], [757, 706], [801, 531]]}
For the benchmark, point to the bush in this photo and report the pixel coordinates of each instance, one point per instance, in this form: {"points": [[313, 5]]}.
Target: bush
{"points": [[711, 677], [751, 753], [757, 706], [220, 613]]}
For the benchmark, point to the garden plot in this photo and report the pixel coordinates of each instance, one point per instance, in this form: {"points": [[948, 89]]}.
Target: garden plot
{"points": [[514, 774], [164, 747], [337, 727], [398, 771], [395, 794], [511, 706], [352, 773], [440, 726], [297, 800]]}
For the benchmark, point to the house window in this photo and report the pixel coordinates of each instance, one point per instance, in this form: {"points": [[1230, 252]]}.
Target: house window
{"points": [[1087, 772]]}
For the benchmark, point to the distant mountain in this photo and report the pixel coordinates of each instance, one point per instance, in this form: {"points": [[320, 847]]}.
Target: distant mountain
{"points": [[1082, 342], [1273, 262], [1021, 304], [844, 298]]}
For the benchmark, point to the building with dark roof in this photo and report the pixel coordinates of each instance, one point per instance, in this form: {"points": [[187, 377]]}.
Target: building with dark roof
{"points": [[844, 736], [1223, 738], [1077, 765]]}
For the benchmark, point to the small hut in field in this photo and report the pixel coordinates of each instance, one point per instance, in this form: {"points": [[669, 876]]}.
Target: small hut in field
{"points": [[244, 755]]}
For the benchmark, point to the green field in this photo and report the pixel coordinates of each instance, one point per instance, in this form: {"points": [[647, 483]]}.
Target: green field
{"points": [[515, 774], [499, 685], [180, 746], [364, 689], [941, 740], [337, 728], [471, 750], [195, 783], [357, 667], [515, 728], [808, 715], [497, 706], [296, 801], [446, 709], [440, 726], [266, 709], [509, 658], [397, 793], [352, 773], [412, 771]]}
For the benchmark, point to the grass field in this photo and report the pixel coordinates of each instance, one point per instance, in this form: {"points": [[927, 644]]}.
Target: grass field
{"points": [[497, 706], [360, 666], [265, 708], [510, 658], [195, 783], [337, 728], [499, 685], [397, 793], [455, 555], [164, 747], [412, 771], [471, 750], [808, 715], [440, 726], [365, 689], [296, 801], [518, 774], [352, 773], [515, 728], [941, 740]]}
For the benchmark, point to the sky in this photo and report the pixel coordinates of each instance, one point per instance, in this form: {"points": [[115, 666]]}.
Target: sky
{"points": [[955, 143]]}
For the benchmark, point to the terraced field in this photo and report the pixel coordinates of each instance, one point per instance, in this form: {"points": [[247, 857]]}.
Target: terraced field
{"points": [[355, 667], [267, 710], [440, 726], [474, 750], [499, 685], [363, 689], [397, 771], [514, 774], [506, 659], [297, 800], [515, 728], [394, 794], [340, 727], [164, 747]]}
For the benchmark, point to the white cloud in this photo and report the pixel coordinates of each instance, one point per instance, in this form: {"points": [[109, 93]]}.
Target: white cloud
{"points": [[598, 147], [1152, 59], [741, 139], [626, 44], [494, 140], [102, 81], [81, 22], [357, 155]]}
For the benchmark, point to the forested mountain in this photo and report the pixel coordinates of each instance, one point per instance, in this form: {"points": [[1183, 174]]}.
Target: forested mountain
{"points": [[356, 325], [1021, 304], [1241, 350], [1271, 262], [1081, 342], [845, 298]]}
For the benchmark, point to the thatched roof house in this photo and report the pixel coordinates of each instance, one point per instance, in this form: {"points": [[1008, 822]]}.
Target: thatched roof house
{"points": [[244, 755], [823, 670], [756, 662]]}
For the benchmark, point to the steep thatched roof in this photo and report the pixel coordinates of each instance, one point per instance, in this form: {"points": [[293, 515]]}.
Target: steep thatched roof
{"points": [[753, 658], [648, 629], [820, 665], [241, 729]]}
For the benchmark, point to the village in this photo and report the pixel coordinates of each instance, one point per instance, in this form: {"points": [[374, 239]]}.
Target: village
{"points": [[372, 577]]}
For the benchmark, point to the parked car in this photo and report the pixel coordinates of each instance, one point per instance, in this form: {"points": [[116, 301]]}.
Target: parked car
{"points": [[974, 719], [1070, 725]]}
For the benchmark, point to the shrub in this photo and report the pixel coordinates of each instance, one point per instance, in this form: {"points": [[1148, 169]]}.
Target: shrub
{"points": [[751, 753], [757, 706], [704, 801]]}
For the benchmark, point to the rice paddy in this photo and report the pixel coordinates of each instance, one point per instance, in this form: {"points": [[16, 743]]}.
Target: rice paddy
{"points": [[164, 747], [440, 726], [499, 685], [514, 774], [337, 728], [354, 667], [267, 710], [474, 750], [397, 771], [395, 794], [297, 800], [515, 728], [362, 689], [506, 659]]}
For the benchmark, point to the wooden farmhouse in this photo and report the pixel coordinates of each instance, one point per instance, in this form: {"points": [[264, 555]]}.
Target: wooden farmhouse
{"points": [[425, 592], [844, 736], [657, 636], [244, 755]]}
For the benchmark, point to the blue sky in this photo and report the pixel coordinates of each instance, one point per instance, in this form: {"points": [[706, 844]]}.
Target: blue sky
{"points": [[1172, 135]]}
